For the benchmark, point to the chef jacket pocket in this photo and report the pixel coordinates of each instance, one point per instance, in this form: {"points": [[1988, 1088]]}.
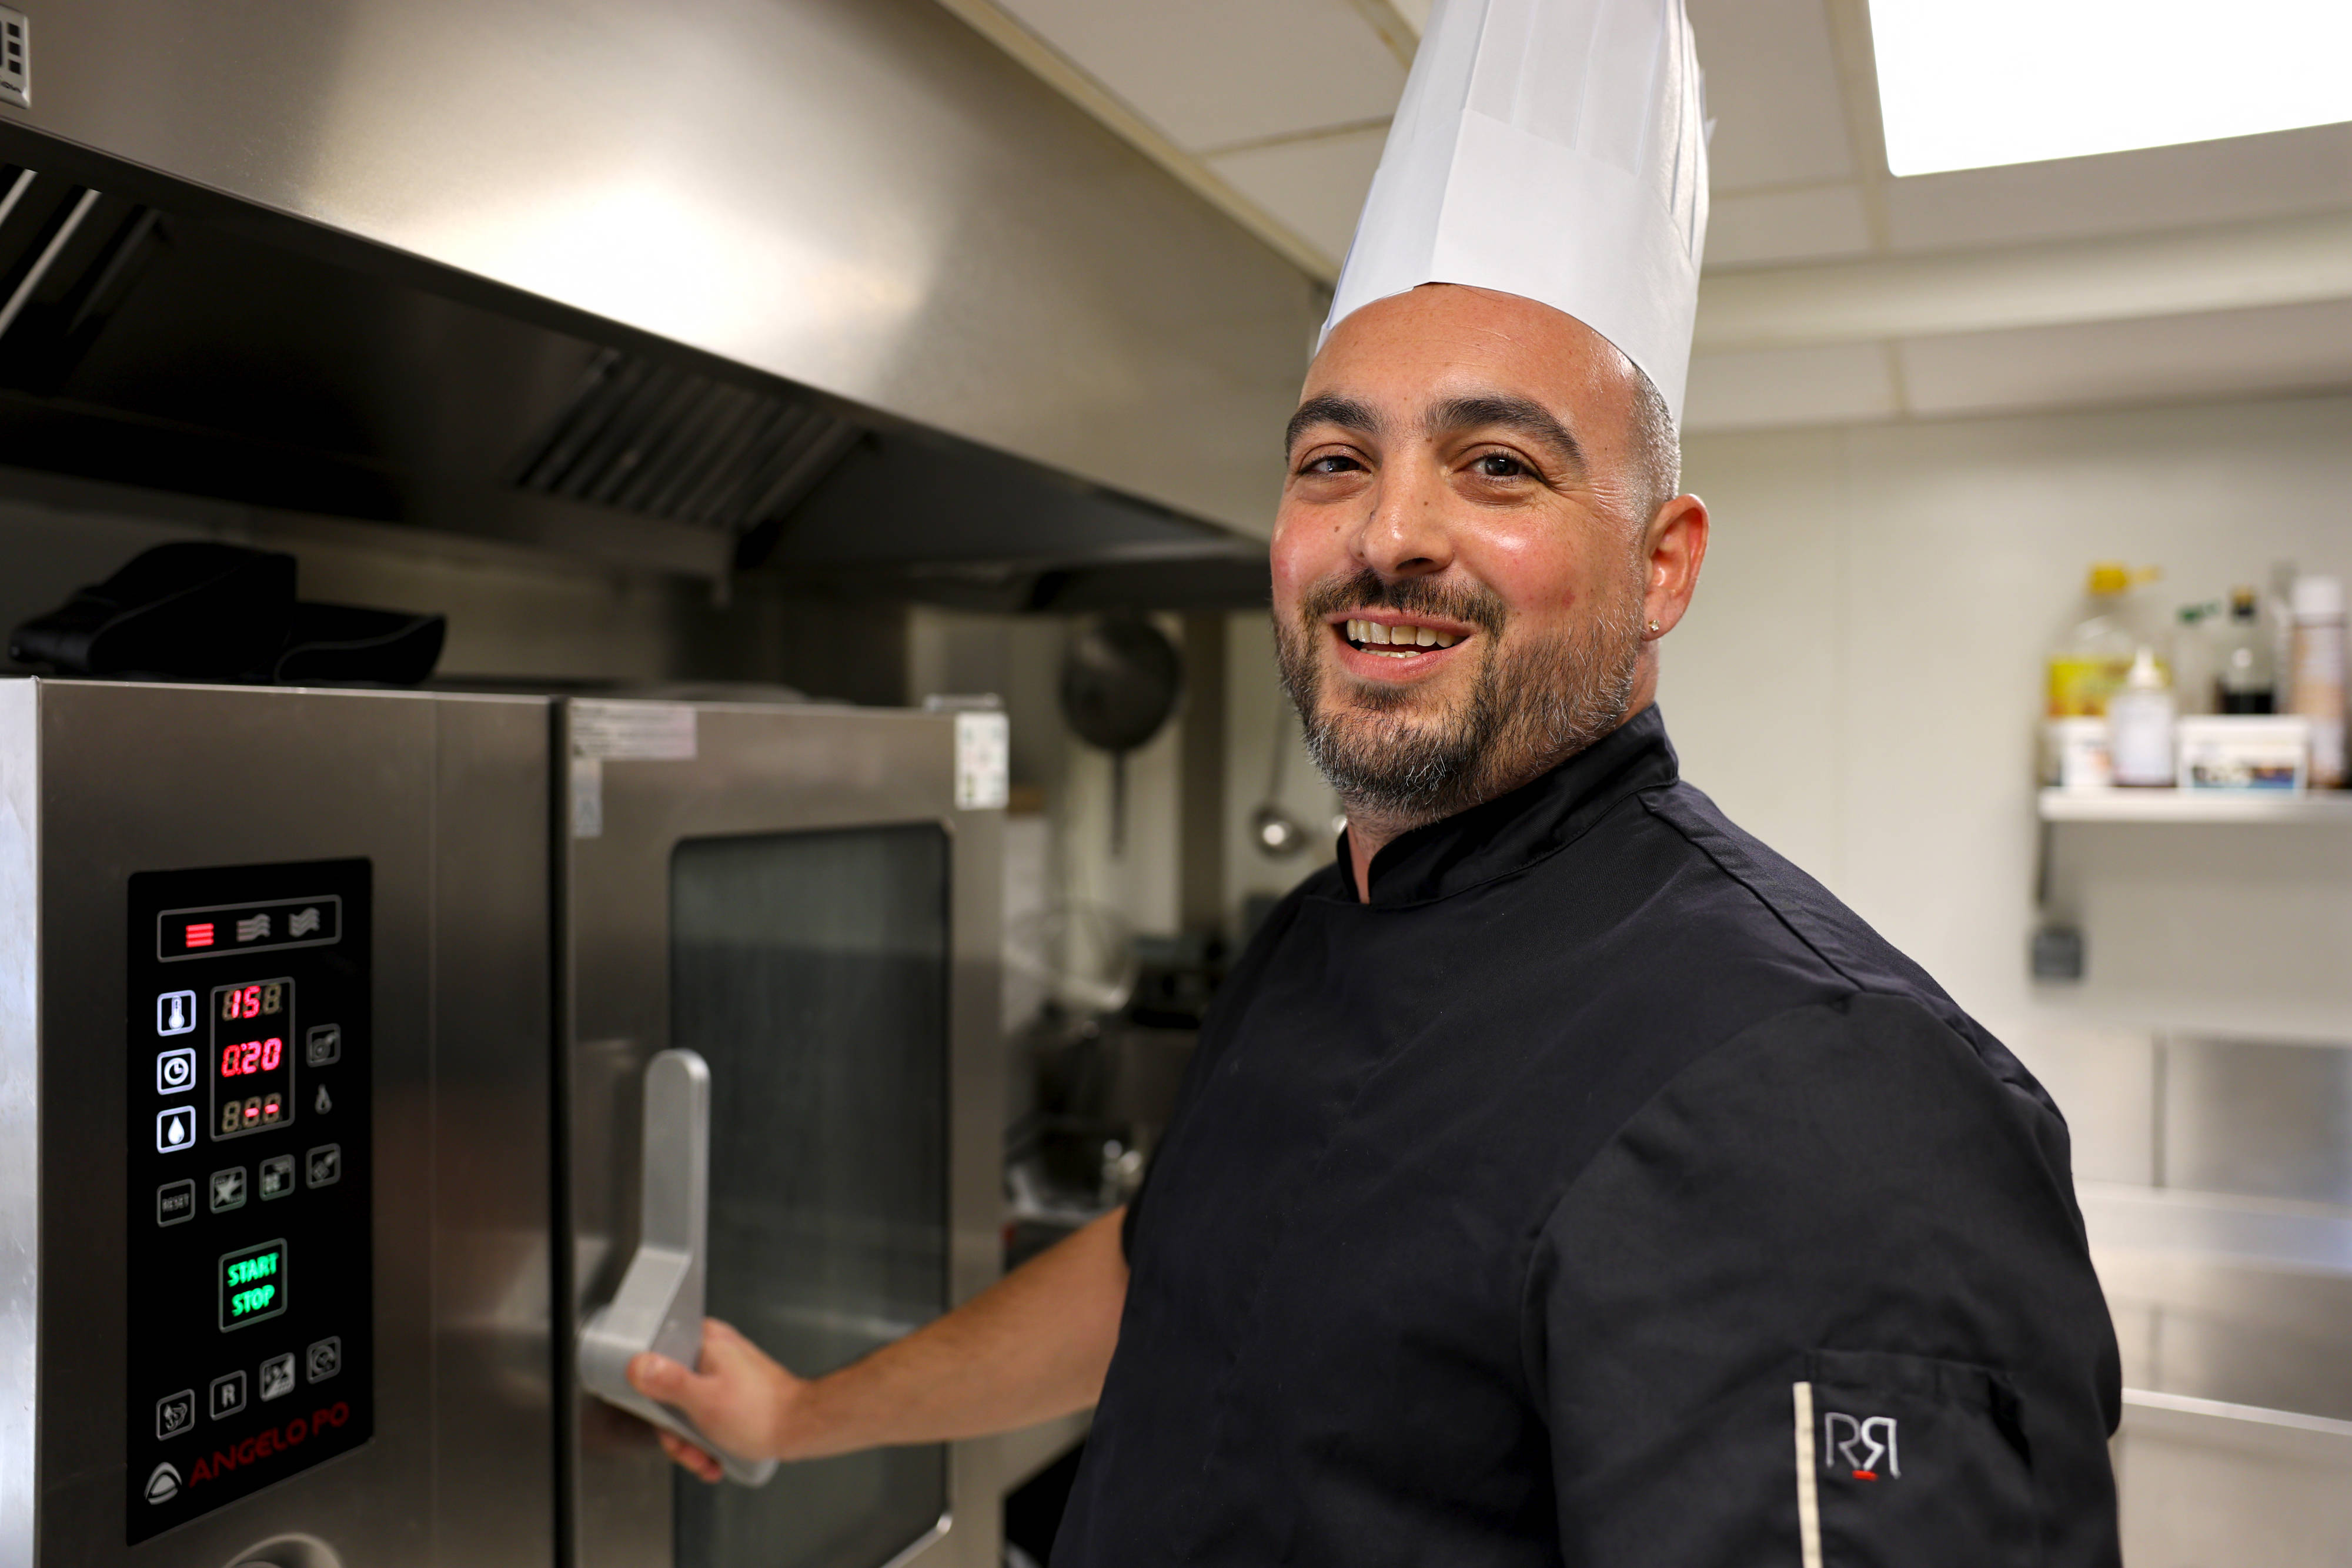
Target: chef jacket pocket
{"points": [[1916, 1462]]}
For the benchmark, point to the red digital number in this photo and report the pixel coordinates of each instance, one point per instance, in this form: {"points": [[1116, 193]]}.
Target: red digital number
{"points": [[252, 1056]]}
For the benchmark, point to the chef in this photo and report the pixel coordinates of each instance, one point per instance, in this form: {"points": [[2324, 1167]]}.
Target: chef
{"points": [[1563, 1176]]}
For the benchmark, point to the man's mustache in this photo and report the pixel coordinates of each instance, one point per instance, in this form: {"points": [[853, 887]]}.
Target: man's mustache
{"points": [[1367, 590]]}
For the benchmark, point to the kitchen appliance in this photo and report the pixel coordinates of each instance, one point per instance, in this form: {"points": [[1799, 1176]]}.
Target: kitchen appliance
{"points": [[807, 900], [328, 1021], [274, 1177]]}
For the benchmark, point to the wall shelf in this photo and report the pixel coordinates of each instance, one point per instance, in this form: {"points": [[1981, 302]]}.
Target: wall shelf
{"points": [[2317, 809]]}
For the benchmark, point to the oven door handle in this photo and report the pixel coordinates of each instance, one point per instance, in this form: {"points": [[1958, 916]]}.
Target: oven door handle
{"points": [[659, 1304]]}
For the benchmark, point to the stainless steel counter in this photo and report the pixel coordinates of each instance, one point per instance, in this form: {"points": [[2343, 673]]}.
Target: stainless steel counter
{"points": [[2235, 1317]]}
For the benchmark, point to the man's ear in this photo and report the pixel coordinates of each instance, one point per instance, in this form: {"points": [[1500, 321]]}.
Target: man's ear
{"points": [[1674, 546]]}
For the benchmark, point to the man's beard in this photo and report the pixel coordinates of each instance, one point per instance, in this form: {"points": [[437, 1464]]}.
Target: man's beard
{"points": [[1530, 706]]}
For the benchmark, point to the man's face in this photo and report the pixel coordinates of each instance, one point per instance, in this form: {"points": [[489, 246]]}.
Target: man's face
{"points": [[1460, 560]]}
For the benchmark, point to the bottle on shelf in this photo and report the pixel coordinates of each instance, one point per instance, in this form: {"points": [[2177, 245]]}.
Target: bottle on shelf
{"points": [[2246, 674], [2196, 659], [2092, 660], [2140, 721], [2318, 669], [2278, 616]]}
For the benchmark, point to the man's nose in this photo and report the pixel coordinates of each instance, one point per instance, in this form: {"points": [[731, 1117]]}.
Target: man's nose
{"points": [[1406, 535]]}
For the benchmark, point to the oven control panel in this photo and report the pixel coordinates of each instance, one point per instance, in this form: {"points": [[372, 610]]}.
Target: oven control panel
{"points": [[250, 1240]]}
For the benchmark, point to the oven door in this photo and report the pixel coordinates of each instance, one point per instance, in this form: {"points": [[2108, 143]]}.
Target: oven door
{"points": [[793, 894]]}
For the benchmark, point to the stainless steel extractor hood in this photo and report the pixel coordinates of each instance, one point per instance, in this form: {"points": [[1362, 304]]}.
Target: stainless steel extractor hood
{"points": [[828, 283]]}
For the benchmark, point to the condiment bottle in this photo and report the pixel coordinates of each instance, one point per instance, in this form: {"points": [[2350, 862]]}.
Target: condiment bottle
{"points": [[2139, 724], [2318, 664]]}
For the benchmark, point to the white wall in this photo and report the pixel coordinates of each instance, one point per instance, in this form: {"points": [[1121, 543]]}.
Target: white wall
{"points": [[1859, 681]]}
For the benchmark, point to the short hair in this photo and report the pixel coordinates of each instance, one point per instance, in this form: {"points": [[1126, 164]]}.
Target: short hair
{"points": [[1656, 448]]}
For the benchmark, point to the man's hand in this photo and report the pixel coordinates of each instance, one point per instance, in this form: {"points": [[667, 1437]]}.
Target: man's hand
{"points": [[740, 1398], [1033, 1346]]}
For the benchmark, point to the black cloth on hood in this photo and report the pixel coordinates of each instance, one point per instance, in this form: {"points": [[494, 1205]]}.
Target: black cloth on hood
{"points": [[1519, 1215]]}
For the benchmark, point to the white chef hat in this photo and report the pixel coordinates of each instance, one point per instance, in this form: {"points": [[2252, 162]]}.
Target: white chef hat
{"points": [[1552, 148]]}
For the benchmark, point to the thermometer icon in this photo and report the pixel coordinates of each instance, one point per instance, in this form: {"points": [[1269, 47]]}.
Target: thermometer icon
{"points": [[175, 1012]]}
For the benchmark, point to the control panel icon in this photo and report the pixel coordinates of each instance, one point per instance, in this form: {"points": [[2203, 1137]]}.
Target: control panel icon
{"points": [[278, 1377], [175, 1201], [326, 1164], [277, 1176], [324, 1359], [175, 1129], [175, 1070], [228, 1188], [228, 1393], [163, 1483], [324, 1045], [175, 1012], [175, 1413]]}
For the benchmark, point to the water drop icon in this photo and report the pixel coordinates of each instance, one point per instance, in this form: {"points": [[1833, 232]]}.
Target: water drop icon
{"points": [[178, 1134], [322, 1102]]}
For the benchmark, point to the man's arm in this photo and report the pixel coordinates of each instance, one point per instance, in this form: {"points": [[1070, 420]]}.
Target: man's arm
{"points": [[1033, 1346], [1847, 1198]]}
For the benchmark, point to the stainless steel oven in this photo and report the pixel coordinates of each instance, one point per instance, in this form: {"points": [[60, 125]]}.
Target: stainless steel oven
{"points": [[806, 899], [274, 1172], [325, 1026]]}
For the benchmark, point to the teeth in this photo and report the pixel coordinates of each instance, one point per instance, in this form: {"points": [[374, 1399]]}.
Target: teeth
{"points": [[1372, 632]]}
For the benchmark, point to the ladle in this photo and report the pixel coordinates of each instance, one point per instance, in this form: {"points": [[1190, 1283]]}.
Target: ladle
{"points": [[1275, 831]]}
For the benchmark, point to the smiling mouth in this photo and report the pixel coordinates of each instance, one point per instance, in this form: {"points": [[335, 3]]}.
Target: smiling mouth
{"points": [[1394, 640]]}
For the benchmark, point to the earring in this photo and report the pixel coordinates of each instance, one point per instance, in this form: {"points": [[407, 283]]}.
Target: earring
{"points": [[1654, 626]]}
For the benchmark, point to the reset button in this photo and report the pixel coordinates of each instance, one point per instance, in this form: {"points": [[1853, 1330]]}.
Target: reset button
{"points": [[175, 1201]]}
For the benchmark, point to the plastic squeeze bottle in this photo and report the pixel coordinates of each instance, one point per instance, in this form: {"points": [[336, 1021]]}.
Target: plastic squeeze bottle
{"points": [[2318, 668], [2140, 724]]}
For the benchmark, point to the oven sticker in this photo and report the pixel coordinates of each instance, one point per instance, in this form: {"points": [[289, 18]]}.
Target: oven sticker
{"points": [[633, 731], [984, 744]]}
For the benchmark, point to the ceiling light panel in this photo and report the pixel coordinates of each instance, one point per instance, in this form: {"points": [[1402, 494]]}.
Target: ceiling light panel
{"points": [[1987, 82]]}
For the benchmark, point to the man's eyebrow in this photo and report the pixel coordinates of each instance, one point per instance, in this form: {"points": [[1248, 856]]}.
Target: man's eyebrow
{"points": [[1524, 416], [1329, 409]]}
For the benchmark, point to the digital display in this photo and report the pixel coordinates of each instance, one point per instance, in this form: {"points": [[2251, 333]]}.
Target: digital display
{"points": [[249, 1043], [252, 1284], [252, 1072]]}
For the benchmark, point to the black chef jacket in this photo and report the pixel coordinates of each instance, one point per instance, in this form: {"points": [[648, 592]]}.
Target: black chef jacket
{"points": [[1602, 1192]]}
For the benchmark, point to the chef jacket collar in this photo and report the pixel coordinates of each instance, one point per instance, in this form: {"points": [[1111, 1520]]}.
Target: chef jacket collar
{"points": [[1513, 831]]}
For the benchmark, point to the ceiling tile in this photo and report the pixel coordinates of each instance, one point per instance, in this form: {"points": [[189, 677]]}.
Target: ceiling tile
{"points": [[2124, 193], [1210, 73], [1316, 186], [2218, 354], [1766, 386], [1772, 92], [1814, 224]]}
